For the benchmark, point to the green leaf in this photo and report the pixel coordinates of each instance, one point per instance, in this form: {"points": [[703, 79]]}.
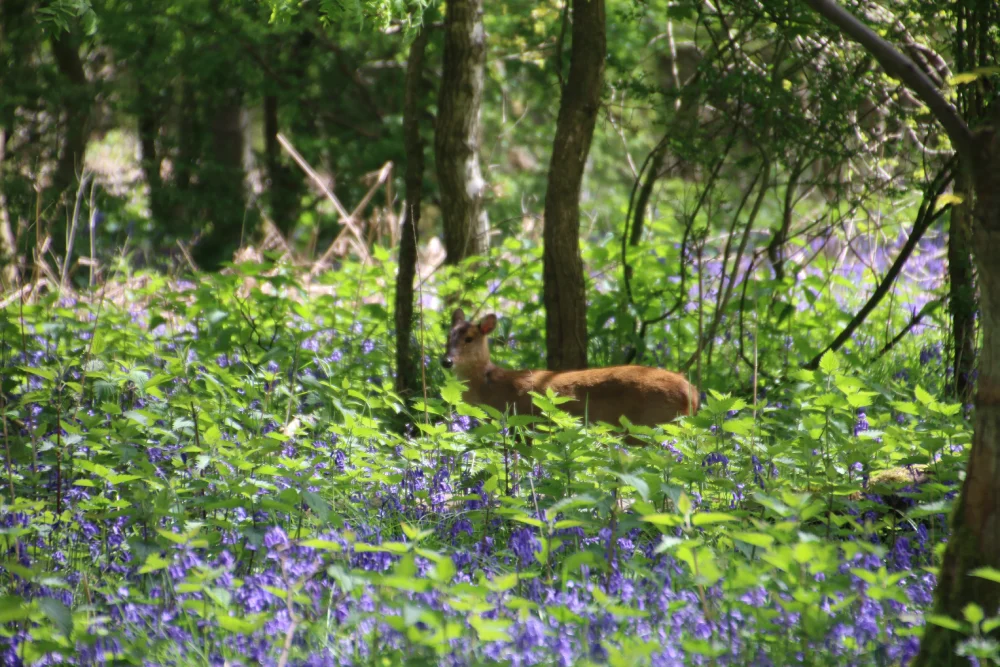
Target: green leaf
{"points": [[988, 573], [829, 363], [923, 396], [635, 482], [503, 582], [944, 622], [490, 630], [58, 613], [317, 504], [242, 626], [445, 570], [706, 518], [154, 562], [662, 519], [684, 505], [973, 613], [322, 545], [13, 608], [762, 540], [452, 391]]}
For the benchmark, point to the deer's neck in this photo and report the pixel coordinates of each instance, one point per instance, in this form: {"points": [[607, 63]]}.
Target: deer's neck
{"points": [[482, 381]]}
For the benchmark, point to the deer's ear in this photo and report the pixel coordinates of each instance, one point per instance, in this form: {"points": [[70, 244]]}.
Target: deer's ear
{"points": [[488, 324], [457, 317]]}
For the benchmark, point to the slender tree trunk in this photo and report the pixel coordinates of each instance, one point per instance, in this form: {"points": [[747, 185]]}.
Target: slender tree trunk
{"points": [[286, 184], [76, 111], [645, 194], [8, 242], [776, 248], [962, 295], [282, 190], [188, 140], [975, 535], [149, 128], [224, 193], [456, 138], [20, 39], [150, 114], [407, 359], [565, 289]]}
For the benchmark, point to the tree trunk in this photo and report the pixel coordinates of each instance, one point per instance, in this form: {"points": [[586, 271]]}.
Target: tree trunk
{"points": [[8, 243], [975, 536], [456, 138], [150, 114], [565, 289], [189, 134], [76, 110], [283, 191], [646, 193], [223, 193], [776, 248], [407, 366], [286, 185], [962, 295]]}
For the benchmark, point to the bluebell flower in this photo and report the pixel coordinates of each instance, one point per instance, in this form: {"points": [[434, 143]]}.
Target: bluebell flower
{"points": [[524, 544]]}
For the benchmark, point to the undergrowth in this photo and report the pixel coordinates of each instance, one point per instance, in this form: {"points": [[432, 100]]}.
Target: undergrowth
{"points": [[219, 472]]}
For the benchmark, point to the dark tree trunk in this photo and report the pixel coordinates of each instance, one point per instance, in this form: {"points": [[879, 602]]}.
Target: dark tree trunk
{"points": [[283, 190], [286, 185], [150, 114], [565, 289], [456, 137], [962, 295], [8, 242], [646, 193], [776, 248], [223, 193], [975, 537], [149, 128], [407, 358], [188, 139], [76, 112], [975, 531]]}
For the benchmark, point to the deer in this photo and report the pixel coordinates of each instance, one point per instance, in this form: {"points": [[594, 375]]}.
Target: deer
{"points": [[644, 395]]}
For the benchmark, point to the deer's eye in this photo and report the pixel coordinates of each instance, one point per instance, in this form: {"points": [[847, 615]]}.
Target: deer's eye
{"points": [[468, 339]]}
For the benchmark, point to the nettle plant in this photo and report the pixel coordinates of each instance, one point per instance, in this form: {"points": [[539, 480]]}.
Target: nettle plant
{"points": [[220, 473]]}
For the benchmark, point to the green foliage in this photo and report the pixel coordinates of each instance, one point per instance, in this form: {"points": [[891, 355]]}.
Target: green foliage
{"points": [[231, 462]]}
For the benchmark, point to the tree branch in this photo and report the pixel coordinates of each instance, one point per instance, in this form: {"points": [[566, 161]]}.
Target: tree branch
{"points": [[900, 67], [925, 217]]}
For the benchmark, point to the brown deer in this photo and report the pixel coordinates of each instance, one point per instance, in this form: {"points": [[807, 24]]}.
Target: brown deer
{"points": [[646, 396]]}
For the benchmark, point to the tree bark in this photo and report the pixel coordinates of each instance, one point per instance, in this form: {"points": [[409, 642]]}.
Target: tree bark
{"points": [[975, 531], [283, 191], [407, 366], [962, 296], [224, 193], [456, 138], [286, 185], [76, 110], [150, 114], [565, 288]]}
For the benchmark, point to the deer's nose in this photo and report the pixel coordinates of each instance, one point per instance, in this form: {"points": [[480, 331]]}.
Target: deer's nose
{"points": [[447, 361]]}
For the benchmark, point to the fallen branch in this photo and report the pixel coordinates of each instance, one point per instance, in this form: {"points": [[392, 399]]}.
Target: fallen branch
{"points": [[350, 224]]}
